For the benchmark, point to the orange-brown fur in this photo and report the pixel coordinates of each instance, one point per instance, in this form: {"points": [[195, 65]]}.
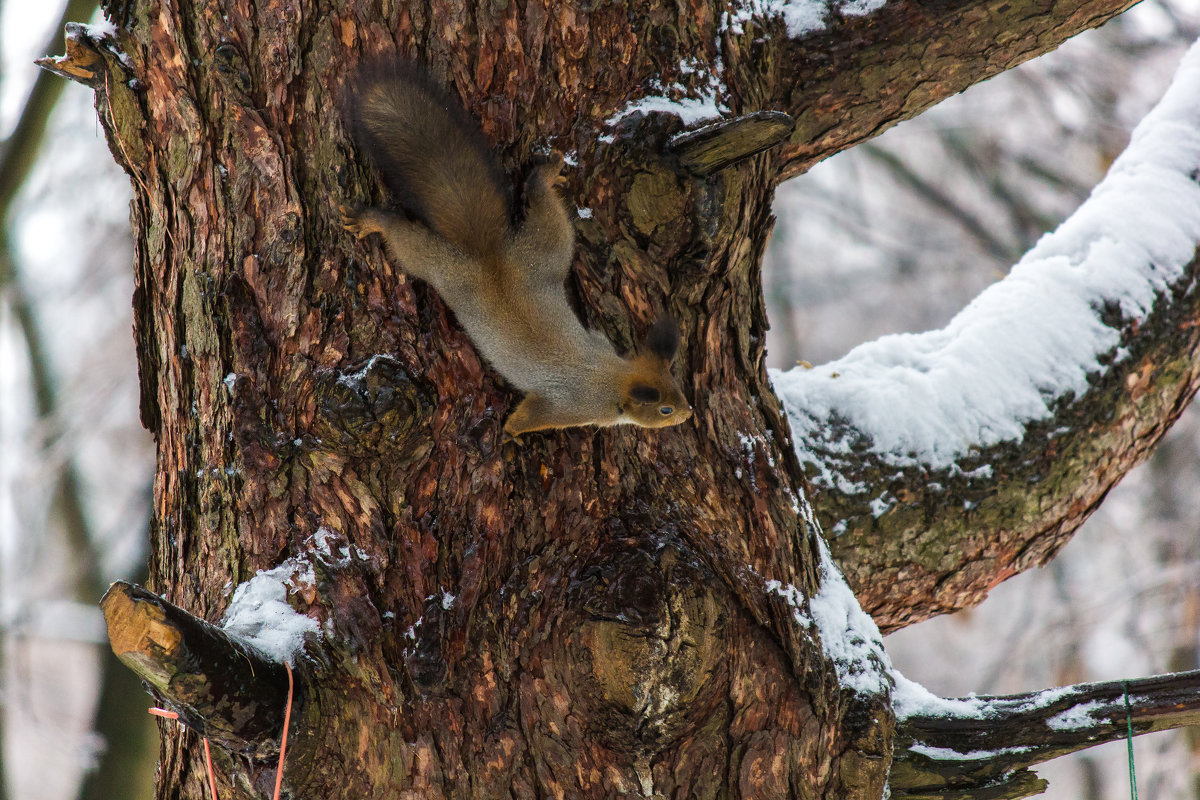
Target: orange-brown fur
{"points": [[505, 283]]}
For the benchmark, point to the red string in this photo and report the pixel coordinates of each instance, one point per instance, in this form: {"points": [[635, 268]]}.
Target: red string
{"points": [[212, 781], [287, 720]]}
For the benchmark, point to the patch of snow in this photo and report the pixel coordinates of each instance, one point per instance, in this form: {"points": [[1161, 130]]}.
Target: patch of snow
{"points": [[1074, 718], [324, 542], [860, 8], [354, 380], [911, 699], [949, 754], [690, 110], [260, 616], [800, 17], [101, 29], [1031, 338], [849, 637], [705, 106], [882, 504]]}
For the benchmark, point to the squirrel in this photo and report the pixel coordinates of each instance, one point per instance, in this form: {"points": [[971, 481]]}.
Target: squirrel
{"points": [[505, 281]]}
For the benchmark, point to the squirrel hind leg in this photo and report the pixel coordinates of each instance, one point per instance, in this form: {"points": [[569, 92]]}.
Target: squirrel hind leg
{"points": [[545, 240]]}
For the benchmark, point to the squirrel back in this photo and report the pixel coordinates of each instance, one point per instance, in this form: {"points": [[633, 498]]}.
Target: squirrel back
{"points": [[432, 156]]}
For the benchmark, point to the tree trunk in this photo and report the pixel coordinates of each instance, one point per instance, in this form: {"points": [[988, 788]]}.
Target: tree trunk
{"points": [[588, 613]]}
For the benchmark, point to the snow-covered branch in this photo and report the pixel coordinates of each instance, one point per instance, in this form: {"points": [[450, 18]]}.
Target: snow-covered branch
{"points": [[983, 746], [988, 442]]}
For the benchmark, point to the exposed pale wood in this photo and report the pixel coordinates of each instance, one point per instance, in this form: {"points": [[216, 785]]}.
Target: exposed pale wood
{"points": [[220, 688]]}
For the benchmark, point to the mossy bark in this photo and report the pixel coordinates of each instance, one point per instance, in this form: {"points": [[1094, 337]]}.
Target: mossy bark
{"points": [[580, 615]]}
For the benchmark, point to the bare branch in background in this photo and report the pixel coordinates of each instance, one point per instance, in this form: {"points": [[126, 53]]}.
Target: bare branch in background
{"points": [[121, 697]]}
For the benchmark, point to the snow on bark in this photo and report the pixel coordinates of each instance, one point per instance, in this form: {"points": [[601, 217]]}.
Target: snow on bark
{"points": [[911, 699], [849, 637], [261, 616], [801, 17], [1030, 339]]}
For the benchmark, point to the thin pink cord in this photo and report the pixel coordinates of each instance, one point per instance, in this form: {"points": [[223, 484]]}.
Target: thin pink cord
{"points": [[212, 781], [287, 719]]}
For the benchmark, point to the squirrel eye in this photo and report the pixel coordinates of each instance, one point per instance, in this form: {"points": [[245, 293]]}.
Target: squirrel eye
{"points": [[666, 411]]}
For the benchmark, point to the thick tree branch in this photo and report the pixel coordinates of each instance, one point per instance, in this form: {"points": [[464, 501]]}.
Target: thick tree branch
{"points": [[981, 746], [856, 76], [949, 461]]}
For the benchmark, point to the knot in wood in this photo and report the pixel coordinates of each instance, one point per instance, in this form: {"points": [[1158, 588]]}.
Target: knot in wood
{"points": [[372, 406], [647, 656]]}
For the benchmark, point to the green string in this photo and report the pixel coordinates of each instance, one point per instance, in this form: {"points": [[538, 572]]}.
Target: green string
{"points": [[1129, 737]]}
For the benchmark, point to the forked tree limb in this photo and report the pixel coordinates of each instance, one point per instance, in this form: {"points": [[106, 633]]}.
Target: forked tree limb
{"points": [[221, 688], [984, 748]]}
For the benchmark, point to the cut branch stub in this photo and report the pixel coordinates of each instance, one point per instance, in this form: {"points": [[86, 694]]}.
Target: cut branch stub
{"points": [[82, 62], [715, 147], [222, 689]]}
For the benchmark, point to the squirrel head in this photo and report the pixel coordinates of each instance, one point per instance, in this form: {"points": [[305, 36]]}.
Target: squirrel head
{"points": [[650, 396]]}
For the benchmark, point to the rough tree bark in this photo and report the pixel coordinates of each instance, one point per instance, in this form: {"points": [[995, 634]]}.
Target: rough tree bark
{"points": [[586, 614]]}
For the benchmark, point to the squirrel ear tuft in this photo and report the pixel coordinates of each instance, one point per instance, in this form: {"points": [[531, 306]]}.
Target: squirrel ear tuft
{"points": [[663, 338]]}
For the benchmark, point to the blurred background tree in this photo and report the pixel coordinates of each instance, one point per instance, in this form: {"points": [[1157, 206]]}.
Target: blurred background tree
{"points": [[896, 235], [75, 464]]}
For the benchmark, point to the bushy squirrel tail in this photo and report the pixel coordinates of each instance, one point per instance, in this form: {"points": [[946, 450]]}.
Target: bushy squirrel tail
{"points": [[432, 156]]}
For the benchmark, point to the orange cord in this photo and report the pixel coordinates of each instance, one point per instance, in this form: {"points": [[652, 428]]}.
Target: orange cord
{"points": [[287, 719], [212, 780]]}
